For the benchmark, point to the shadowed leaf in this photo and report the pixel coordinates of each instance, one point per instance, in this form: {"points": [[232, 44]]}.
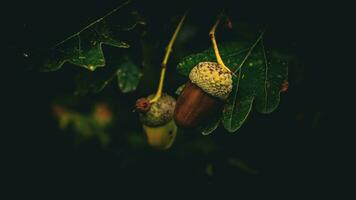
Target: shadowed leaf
{"points": [[128, 76], [84, 48], [127, 72]]}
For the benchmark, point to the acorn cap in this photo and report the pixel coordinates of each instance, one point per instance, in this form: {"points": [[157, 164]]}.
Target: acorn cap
{"points": [[160, 112], [212, 78]]}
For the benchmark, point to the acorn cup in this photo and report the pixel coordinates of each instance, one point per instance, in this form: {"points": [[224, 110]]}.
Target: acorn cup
{"points": [[157, 120], [203, 95]]}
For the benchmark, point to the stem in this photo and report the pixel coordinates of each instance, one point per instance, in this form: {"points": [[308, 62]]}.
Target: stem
{"points": [[215, 46], [165, 60]]}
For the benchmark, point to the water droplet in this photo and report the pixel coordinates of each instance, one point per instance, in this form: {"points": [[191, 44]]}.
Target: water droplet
{"points": [[91, 67]]}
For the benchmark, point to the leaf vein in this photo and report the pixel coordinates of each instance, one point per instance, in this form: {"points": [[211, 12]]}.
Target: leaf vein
{"points": [[266, 76]]}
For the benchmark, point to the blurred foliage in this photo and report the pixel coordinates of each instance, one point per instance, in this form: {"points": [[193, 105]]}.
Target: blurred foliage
{"points": [[242, 165], [86, 126]]}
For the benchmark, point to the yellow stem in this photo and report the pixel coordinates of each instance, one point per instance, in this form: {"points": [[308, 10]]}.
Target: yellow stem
{"points": [[165, 60], [215, 46]]}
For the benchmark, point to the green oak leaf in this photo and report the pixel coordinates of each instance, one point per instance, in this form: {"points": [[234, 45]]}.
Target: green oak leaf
{"points": [[128, 76], [259, 76], [84, 48]]}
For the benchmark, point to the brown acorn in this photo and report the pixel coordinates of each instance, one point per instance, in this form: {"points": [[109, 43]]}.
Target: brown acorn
{"points": [[203, 95]]}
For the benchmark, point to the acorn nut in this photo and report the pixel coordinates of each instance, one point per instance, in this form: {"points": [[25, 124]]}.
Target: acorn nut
{"points": [[203, 95], [157, 120]]}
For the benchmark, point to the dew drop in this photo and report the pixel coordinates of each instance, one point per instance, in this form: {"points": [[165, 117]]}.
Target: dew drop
{"points": [[91, 67]]}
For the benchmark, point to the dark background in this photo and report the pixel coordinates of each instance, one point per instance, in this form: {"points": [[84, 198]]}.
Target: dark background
{"points": [[290, 147]]}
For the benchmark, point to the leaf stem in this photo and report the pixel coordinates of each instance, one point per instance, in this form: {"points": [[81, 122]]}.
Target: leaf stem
{"points": [[215, 46], [165, 60]]}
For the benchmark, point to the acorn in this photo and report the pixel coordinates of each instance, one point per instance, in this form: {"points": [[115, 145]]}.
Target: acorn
{"points": [[157, 120], [203, 95]]}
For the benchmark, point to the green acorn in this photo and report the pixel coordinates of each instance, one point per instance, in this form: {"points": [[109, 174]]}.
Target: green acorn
{"points": [[157, 120]]}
